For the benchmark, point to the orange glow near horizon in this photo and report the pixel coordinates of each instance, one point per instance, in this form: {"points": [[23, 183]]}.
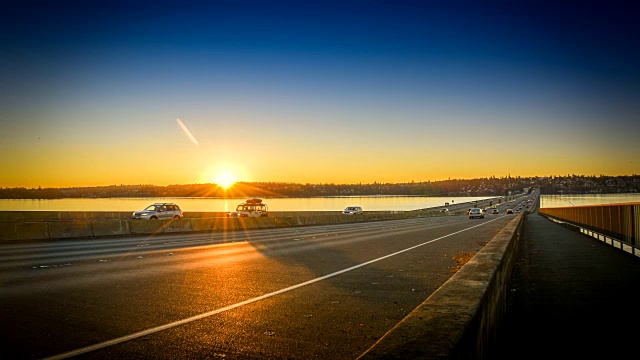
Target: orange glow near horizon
{"points": [[54, 164]]}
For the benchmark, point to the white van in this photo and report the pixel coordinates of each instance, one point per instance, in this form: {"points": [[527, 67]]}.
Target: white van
{"points": [[250, 208]]}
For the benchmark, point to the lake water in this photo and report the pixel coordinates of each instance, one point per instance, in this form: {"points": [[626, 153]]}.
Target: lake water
{"points": [[368, 203], [587, 199]]}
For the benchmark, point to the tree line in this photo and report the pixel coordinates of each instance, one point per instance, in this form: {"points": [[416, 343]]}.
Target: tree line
{"points": [[492, 186]]}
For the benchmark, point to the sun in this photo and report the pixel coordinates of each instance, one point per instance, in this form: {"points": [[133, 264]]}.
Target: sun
{"points": [[224, 174], [225, 179]]}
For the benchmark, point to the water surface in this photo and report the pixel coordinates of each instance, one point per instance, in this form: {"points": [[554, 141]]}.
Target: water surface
{"points": [[368, 203], [587, 199]]}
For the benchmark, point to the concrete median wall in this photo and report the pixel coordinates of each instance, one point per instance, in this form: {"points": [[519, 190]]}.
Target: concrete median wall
{"points": [[8, 216], [36, 215], [70, 229], [110, 227], [11, 216], [176, 226], [204, 224], [24, 231], [56, 225], [145, 227], [459, 320]]}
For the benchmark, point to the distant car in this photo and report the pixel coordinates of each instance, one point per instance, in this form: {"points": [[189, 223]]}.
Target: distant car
{"points": [[495, 211], [517, 211], [159, 211], [352, 210], [444, 210], [509, 211], [476, 213]]}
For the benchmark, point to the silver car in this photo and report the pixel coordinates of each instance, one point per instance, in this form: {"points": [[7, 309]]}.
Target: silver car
{"points": [[476, 213], [159, 211], [352, 210]]}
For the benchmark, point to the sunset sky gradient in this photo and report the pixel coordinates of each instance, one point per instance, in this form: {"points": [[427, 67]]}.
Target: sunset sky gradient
{"points": [[316, 91]]}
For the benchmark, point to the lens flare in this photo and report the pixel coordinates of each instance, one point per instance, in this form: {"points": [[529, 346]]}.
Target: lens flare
{"points": [[186, 131]]}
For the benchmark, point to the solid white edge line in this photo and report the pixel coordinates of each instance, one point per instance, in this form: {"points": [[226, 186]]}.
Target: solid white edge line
{"points": [[122, 339]]}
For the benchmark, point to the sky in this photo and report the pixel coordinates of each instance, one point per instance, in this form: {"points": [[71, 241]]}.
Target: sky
{"points": [[161, 92]]}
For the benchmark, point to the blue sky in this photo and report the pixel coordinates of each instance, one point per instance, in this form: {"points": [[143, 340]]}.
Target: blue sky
{"points": [[344, 92]]}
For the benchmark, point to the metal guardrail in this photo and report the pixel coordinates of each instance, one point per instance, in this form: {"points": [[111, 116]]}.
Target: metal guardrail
{"points": [[619, 221]]}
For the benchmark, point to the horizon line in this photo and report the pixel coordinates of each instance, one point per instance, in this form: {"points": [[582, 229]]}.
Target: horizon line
{"points": [[329, 183]]}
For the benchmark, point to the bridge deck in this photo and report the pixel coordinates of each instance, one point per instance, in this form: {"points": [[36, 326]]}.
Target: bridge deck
{"points": [[571, 295]]}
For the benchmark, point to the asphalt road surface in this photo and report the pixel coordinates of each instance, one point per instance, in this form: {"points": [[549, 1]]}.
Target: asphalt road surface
{"points": [[325, 292]]}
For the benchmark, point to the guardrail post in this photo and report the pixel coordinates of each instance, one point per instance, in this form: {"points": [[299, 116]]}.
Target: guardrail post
{"points": [[633, 239]]}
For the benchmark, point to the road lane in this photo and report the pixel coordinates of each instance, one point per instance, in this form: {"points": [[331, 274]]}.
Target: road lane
{"points": [[151, 282]]}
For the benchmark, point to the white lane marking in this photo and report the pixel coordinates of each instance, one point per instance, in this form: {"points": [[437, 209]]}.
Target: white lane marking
{"points": [[122, 339]]}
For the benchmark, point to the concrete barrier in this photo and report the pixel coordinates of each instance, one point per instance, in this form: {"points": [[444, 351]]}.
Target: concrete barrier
{"points": [[303, 213], [9, 216], [285, 221], [70, 229], [145, 227], [203, 214], [258, 223], [203, 224], [33, 231], [93, 224], [37, 215], [8, 231], [93, 215], [176, 225], [228, 224], [461, 318], [249, 223], [11, 231], [110, 227]]}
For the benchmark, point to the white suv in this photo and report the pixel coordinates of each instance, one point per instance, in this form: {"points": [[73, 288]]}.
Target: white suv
{"points": [[159, 211], [250, 208]]}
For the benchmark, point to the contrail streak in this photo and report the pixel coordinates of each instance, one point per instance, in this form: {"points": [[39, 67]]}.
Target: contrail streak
{"points": [[186, 131]]}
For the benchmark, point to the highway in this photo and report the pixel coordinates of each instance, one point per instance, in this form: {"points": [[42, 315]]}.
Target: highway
{"points": [[326, 292]]}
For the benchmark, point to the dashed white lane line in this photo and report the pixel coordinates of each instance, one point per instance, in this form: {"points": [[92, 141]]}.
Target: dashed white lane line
{"points": [[143, 333]]}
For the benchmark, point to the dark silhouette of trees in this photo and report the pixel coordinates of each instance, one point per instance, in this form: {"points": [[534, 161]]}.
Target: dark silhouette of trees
{"points": [[491, 186]]}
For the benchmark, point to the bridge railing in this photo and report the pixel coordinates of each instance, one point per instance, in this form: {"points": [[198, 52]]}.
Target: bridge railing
{"points": [[618, 221]]}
